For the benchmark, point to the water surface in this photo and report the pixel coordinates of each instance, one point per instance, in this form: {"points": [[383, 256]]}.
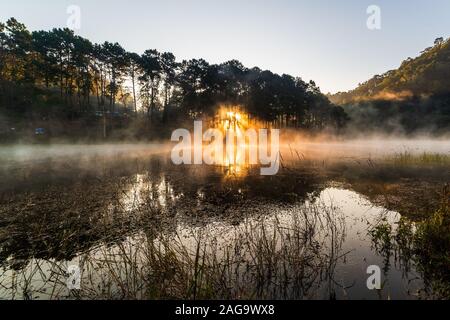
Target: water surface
{"points": [[104, 208]]}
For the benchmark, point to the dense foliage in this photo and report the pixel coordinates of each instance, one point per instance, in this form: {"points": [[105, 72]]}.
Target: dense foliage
{"points": [[59, 75]]}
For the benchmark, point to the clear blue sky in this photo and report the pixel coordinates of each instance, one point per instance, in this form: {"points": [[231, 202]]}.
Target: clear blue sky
{"points": [[323, 40]]}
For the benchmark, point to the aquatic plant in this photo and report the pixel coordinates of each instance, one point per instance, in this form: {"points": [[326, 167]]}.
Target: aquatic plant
{"points": [[425, 243]]}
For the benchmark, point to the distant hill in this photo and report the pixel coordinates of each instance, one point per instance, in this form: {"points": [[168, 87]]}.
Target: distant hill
{"points": [[426, 75], [415, 98]]}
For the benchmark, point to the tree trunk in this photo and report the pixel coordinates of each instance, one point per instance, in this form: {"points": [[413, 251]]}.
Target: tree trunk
{"points": [[134, 90], [166, 105]]}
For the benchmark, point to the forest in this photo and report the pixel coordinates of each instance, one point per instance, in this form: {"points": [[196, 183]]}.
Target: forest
{"points": [[71, 87]]}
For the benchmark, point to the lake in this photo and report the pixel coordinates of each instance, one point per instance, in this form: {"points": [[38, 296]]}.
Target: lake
{"points": [[138, 227]]}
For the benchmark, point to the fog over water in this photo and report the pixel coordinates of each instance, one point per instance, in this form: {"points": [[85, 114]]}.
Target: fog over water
{"points": [[83, 203], [316, 148]]}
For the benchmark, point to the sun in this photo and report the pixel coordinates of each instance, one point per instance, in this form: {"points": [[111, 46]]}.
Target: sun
{"points": [[233, 119]]}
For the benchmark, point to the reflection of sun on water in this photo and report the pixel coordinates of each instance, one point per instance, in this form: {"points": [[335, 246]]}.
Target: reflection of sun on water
{"points": [[236, 122], [143, 190], [133, 197]]}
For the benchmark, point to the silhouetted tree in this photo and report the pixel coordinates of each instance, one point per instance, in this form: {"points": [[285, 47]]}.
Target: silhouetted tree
{"points": [[150, 64], [168, 68], [38, 64]]}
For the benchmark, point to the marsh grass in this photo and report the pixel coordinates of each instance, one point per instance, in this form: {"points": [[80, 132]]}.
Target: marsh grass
{"points": [[425, 244], [408, 158], [289, 256]]}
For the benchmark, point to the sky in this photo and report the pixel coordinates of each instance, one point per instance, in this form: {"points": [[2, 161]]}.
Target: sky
{"points": [[327, 41]]}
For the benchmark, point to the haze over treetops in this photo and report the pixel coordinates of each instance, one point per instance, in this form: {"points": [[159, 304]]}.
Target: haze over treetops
{"points": [[425, 75]]}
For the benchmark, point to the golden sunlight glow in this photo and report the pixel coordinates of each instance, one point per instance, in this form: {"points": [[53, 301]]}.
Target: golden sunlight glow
{"points": [[233, 121]]}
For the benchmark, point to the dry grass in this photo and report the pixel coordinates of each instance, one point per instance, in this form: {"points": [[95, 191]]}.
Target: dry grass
{"points": [[288, 257], [407, 158]]}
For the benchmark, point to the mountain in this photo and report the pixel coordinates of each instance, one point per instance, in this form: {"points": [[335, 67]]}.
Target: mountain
{"points": [[426, 75], [413, 99]]}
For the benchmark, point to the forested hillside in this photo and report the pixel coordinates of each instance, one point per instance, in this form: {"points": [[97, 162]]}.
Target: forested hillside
{"points": [[426, 75], [413, 98]]}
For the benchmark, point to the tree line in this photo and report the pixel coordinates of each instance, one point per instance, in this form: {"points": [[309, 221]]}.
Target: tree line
{"points": [[74, 77]]}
